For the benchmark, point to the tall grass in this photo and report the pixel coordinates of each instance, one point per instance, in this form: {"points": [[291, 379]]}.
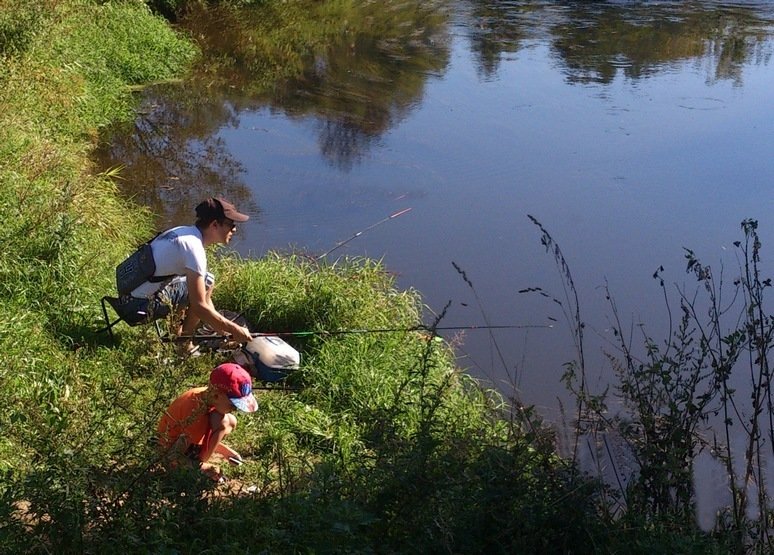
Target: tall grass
{"points": [[68, 77], [63, 229]]}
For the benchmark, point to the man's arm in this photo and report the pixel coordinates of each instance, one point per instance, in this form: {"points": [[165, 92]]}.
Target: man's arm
{"points": [[200, 305]]}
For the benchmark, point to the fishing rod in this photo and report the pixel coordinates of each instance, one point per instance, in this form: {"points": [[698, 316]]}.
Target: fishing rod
{"points": [[420, 327], [359, 233]]}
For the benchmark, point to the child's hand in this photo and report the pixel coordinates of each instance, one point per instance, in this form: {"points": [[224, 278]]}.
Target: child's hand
{"points": [[212, 471], [228, 453]]}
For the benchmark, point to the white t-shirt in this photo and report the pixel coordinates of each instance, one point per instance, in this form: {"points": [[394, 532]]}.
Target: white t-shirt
{"points": [[175, 251]]}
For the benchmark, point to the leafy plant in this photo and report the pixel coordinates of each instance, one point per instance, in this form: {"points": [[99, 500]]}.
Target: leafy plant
{"points": [[680, 399]]}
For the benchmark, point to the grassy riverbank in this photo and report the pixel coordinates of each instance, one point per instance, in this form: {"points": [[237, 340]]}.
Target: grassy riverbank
{"points": [[382, 445]]}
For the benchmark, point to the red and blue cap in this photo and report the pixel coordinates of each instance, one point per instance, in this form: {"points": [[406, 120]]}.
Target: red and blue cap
{"points": [[236, 383]]}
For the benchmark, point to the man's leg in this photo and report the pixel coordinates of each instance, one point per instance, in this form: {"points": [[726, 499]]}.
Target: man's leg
{"points": [[175, 295], [191, 322]]}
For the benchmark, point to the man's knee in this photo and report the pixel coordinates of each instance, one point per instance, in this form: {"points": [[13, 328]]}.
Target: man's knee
{"points": [[172, 297]]}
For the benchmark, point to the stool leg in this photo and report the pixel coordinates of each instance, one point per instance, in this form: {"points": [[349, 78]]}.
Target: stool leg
{"points": [[108, 325]]}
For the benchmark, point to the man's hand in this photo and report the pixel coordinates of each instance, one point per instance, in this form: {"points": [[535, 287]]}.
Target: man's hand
{"points": [[242, 334]]}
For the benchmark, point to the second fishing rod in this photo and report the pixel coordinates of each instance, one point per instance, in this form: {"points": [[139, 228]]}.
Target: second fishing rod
{"points": [[405, 329], [362, 231]]}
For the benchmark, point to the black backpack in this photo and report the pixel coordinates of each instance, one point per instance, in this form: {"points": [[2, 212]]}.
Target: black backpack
{"points": [[138, 268]]}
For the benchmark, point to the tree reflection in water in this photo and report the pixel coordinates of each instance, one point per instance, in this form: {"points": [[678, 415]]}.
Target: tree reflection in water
{"points": [[171, 156], [358, 69], [595, 41]]}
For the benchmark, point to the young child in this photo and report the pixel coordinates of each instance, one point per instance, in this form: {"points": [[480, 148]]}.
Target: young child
{"points": [[196, 423]]}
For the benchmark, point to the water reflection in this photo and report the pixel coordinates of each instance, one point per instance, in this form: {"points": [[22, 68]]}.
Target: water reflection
{"points": [[363, 87], [356, 73], [494, 29], [595, 45], [595, 41], [171, 157]]}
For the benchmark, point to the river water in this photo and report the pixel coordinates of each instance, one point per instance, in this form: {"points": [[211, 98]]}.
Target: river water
{"points": [[628, 130]]}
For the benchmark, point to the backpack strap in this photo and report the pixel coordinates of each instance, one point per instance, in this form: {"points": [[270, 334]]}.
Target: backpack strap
{"points": [[157, 279]]}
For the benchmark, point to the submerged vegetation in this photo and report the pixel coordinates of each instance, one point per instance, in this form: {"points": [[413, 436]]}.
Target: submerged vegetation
{"points": [[377, 444]]}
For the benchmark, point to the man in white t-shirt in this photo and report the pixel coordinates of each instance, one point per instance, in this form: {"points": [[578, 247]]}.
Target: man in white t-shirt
{"points": [[181, 277]]}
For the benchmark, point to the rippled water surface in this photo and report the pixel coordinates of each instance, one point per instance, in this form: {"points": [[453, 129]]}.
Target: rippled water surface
{"points": [[628, 130]]}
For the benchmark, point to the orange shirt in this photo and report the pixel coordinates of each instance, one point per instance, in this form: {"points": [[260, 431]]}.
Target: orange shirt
{"points": [[188, 416]]}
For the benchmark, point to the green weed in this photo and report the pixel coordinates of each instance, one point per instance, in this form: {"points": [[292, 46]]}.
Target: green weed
{"points": [[679, 399]]}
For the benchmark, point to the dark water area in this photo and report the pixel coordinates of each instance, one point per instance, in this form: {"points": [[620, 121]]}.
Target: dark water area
{"points": [[629, 130]]}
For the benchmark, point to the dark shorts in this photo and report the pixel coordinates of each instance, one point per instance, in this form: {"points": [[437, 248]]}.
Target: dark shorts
{"points": [[173, 296], [193, 452], [179, 454]]}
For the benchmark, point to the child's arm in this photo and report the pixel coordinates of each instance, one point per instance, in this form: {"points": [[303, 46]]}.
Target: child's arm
{"points": [[220, 426], [228, 453]]}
